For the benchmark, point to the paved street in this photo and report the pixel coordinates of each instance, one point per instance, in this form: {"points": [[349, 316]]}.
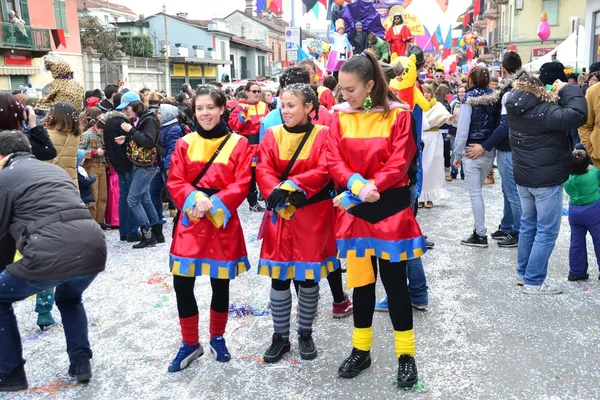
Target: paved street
{"points": [[480, 339]]}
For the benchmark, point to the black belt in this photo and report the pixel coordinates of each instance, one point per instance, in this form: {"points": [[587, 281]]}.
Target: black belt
{"points": [[391, 202], [324, 194], [61, 216]]}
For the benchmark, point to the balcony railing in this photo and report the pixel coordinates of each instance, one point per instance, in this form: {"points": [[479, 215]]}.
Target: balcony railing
{"points": [[24, 37]]}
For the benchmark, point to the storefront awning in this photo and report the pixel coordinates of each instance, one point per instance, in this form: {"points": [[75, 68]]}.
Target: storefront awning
{"points": [[14, 70], [195, 60]]}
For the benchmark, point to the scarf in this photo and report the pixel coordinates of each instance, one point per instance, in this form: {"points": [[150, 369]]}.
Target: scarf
{"points": [[302, 128], [220, 130]]}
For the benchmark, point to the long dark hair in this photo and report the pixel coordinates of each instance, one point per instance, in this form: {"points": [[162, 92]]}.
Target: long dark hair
{"points": [[11, 112], [64, 118], [366, 67], [306, 93]]}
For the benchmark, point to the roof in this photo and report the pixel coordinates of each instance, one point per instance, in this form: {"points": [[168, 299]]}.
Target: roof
{"points": [[249, 43], [81, 4], [277, 25]]}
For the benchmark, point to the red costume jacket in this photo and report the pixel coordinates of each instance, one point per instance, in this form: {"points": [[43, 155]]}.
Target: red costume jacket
{"points": [[213, 245], [364, 148], [398, 42], [302, 247], [326, 98]]}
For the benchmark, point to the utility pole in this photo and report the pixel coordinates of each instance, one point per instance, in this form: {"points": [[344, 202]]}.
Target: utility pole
{"points": [[293, 13]]}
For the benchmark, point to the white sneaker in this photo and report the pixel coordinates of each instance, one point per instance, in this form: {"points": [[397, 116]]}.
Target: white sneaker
{"points": [[519, 280], [544, 288]]}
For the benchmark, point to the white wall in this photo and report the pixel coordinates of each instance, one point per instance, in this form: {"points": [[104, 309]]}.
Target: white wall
{"points": [[106, 16], [591, 54], [252, 29]]}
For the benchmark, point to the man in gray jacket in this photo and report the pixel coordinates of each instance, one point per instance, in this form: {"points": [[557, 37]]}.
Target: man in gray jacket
{"points": [[58, 244]]}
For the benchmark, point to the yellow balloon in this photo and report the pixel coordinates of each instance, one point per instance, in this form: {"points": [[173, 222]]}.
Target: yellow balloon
{"points": [[544, 16]]}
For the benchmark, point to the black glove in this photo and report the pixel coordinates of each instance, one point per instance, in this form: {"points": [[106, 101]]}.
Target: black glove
{"points": [[298, 199], [277, 198]]}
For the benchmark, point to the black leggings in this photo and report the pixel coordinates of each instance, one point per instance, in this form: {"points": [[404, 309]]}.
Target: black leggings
{"points": [[253, 192], [186, 301], [280, 286], [447, 159], [393, 276]]}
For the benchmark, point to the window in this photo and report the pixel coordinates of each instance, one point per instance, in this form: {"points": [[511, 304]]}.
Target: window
{"points": [[551, 7], [19, 6], [18, 81], [60, 15], [595, 56], [223, 50], [262, 70], [233, 72], [176, 85], [243, 68], [195, 82]]}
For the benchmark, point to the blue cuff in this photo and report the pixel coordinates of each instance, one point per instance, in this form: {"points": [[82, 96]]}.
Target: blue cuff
{"points": [[291, 184], [219, 205], [356, 178], [190, 202], [349, 200], [241, 116]]}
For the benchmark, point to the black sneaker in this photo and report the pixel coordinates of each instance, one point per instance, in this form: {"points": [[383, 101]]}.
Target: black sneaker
{"points": [[429, 244], [257, 208], [475, 241], [574, 278], [407, 371], [279, 347], [80, 368], [499, 235], [358, 361], [308, 350], [510, 241], [14, 381]]}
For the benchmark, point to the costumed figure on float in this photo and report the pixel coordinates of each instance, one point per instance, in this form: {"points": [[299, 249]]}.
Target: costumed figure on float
{"points": [[398, 36], [341, 48]]}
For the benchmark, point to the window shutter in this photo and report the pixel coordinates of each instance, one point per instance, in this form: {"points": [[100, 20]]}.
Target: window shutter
{"points": [[25, 12], [4, 10], [63, 16]]}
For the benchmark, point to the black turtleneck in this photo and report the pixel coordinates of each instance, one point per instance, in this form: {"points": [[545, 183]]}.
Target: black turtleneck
{"points": [[218, 131], [303, 128]]}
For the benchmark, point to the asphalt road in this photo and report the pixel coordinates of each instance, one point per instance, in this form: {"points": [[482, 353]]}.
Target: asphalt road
{"points": [[480, 338]]}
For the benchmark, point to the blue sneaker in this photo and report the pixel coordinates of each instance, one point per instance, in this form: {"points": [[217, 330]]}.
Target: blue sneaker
{"points": [[219, 349], [185, 356], [382, 305]]}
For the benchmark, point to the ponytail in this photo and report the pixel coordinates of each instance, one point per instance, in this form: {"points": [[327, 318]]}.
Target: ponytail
{"points": [[366, 67]]}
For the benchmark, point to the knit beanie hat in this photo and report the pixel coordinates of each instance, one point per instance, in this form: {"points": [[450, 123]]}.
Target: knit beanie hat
{"points": [[80, 156], [552, 71]]}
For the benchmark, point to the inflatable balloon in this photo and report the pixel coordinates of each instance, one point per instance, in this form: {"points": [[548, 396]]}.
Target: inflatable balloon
{"points": [[339, 2], [543, 31]]}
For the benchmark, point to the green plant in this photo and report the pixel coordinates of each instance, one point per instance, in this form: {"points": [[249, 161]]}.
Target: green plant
{"points": [[137, 45]]}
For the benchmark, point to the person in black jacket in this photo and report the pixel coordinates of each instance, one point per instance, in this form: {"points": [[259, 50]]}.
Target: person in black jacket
{"points": [[85, 180], [144, 134], [539, 121], [358, 39], [40, 207], [117, 155], [108, 104], [508, 231]]}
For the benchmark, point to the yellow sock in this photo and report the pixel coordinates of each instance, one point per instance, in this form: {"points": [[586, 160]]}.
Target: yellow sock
{"points": [[404, 342], [362, 338]]}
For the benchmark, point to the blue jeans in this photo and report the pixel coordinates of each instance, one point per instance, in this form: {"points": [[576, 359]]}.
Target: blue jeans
{"points": [[138, 198], [156, 186], [127, 223], [511, 219], [417, 283], [68, 301], [540, 224]]}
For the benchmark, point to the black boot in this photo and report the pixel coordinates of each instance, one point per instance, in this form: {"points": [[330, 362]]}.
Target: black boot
{"points": [[353, 365], [308, 350], [80, 368], [279, 347], [133, 239], [148, 239], [158, 233], [13, 381], [407, 371]]}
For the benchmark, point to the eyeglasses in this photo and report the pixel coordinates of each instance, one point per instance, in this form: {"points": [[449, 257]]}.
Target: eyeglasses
{"points": [[396, 17], [256, 91]]}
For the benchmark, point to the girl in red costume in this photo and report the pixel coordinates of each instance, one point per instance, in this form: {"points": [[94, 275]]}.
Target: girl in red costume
{"points": [[370, 150], [245, 119], [299, 243], [398, 36], [208, 237]]}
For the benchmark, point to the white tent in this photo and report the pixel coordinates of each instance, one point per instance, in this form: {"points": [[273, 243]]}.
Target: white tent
{"points": [[570, 53]]}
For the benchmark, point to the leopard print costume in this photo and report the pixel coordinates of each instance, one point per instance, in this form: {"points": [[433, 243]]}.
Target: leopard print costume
{"points": [[62, 88]]}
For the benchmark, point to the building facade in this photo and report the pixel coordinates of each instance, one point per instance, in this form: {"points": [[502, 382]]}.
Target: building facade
{"points": [[22, 47], [105, 11], [592, 33]]}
